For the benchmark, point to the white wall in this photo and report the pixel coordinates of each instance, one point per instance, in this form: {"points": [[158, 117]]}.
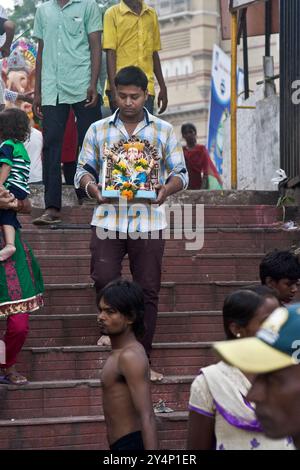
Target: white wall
{"points": [[258, 146]]}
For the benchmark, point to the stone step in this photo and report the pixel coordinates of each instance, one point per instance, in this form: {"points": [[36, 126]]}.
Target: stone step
{"points": [[214, 215], [81, 433], [183, 267], [181, 297], [61, 408], [79, 398], [216, 241], [81, 330], [86, 362], [80, 298]]}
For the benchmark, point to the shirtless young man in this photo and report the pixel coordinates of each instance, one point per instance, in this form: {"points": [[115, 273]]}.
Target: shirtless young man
{"points": [[125, 377]]}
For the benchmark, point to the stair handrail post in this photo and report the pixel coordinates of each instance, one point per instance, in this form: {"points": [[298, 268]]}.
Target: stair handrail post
{"points": [[233, 104]]}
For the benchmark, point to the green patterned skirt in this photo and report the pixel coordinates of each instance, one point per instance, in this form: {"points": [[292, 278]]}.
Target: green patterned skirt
{"points": [[21, 282]]}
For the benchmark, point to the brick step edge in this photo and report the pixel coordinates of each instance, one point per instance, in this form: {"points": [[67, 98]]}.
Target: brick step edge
{"points": [[92, 316], [66, 349], [272, 228], [168, 285], [167, 380], [185, 254], [174, 416]]}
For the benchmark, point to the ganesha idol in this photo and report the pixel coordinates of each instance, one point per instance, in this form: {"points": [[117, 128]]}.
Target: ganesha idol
{"points": [[18, 74], [130, 170]]}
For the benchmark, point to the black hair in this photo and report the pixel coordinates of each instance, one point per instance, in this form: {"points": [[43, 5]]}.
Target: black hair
{"points": [[132, 76], [240, 307], [128, 298], [185, 127], [14, 125], [279, 265], [264, 291]]}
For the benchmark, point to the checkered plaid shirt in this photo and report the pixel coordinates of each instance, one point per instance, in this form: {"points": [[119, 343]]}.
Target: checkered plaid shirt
{"points": [[137, 217]]}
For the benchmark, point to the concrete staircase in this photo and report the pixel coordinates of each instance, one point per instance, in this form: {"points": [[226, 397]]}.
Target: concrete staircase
{"points": [[61, 407]]}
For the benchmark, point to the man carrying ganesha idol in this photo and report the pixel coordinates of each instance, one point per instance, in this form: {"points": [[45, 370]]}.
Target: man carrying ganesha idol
{"points": [[140, 235]]}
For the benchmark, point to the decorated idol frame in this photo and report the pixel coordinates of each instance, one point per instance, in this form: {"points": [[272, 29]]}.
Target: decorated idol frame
{"points": [[131, 170]]}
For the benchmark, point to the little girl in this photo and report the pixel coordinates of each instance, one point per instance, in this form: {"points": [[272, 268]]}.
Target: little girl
{"points": [[14, 170]]}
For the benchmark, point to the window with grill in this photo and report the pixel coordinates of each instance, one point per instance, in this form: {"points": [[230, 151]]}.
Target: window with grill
{"points": [[167, 7]]}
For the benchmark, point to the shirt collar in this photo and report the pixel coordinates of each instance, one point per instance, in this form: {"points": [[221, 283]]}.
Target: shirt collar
{"points": [[125, 8], [69, 2], [147, 117]]}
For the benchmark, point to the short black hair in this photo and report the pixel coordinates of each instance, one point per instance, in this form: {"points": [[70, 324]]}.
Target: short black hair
{"points": [[185, 127], [264, 291], [279, 265], [132, 76], [14, 125], [128, 298], [240, 307]]}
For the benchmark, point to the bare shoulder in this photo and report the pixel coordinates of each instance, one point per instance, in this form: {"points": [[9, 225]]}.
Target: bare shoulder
{"points": [[133, 357], [132, 351]]}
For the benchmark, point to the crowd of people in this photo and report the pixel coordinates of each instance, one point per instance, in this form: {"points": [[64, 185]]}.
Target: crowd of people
{"points": [[66, 108], [260, 365], [68, 98]]}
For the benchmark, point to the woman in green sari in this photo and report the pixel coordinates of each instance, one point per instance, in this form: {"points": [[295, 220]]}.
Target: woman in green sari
{"points": [[21, 292]]}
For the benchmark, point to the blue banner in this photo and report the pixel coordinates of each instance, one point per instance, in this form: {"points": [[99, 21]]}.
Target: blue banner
{"points": [[220, 104]]}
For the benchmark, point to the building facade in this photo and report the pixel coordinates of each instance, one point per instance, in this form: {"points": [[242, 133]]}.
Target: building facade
{"points": [[189, 30]]}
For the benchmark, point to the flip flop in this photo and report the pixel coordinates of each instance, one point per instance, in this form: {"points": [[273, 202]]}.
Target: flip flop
{"points": [[3, 380], [47, 219], [8, 379]]}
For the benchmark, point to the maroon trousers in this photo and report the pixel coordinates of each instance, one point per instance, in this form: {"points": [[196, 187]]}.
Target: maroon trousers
{"points": [[15, 336], [145, 260]]}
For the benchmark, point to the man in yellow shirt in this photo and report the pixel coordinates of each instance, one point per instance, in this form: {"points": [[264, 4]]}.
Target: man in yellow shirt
{"points": [[131, 37]]}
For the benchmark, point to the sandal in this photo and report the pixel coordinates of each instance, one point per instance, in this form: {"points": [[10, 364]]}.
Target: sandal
{"points": [[13, 378], [47, 219]]}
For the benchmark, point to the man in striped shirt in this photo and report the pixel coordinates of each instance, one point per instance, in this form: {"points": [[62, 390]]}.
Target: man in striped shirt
{"points": [[138, 231]]}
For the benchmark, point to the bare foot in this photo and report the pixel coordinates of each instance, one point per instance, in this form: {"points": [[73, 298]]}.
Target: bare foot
{"points": [[155, 376], [7, 252], [104, 341]]}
